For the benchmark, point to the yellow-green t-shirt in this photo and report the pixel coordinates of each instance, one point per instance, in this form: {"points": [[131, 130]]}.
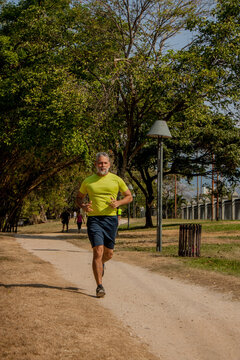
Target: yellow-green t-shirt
{"points": [[100, 190]]}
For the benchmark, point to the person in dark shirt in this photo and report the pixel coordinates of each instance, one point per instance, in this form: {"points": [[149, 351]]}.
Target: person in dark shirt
{"points": [[65, 216]]}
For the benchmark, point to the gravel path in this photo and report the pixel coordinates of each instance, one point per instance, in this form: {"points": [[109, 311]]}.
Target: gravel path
{"points": [[179, 321]]}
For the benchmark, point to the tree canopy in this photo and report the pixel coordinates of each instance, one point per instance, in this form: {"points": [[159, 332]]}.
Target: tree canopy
{"points": [[46, 93], [76, 77], [195, 89]]}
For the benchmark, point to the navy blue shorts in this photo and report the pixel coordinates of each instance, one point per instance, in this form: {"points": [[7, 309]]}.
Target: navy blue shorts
{"points": [[102, 230]]}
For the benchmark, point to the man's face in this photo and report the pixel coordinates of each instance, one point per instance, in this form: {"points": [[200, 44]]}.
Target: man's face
{"points": [[102, 165]]}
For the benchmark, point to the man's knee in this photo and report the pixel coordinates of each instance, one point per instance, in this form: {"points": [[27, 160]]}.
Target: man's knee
{"points": [[98, 252], [108, 254]]}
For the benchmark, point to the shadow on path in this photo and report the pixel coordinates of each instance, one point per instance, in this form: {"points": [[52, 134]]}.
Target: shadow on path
{"points": [[52, 236], [45, 286], [73, 251]]}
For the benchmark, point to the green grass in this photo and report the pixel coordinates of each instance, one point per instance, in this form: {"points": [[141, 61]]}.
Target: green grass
{"points": [[220, 250], [209, 249], [230, 267], [171, 250], [139, 224], [132, 227], [223, 258], [221, 226], [52, 226], [207, 225], [229, 237], [136, 248]]}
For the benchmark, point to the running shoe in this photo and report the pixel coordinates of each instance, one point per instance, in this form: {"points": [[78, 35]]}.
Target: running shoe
{"points": [[100, 291]]}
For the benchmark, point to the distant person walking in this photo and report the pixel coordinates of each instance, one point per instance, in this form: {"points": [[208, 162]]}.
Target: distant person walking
{"points": [[102, 189], [74, 216], [65, 216], [79, 220], [119, 215]]}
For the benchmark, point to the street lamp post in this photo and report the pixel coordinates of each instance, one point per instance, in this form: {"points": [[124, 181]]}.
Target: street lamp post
{"points": [[134, 205], [128, 216], [129, 209], [159, 130]]}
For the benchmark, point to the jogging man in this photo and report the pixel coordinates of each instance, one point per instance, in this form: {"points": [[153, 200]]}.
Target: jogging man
{"points": [[102, 189]]}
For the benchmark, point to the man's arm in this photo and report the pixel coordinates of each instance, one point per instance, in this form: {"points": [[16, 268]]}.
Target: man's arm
{"points": [[127, 198], [87, 207]]}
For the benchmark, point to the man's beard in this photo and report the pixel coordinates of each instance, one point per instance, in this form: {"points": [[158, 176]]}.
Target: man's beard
{"points": [[102, 172]]}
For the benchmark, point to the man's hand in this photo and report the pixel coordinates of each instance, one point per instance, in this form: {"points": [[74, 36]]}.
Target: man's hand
{"points": [[87, 207], [114, 203], [126, 200]]}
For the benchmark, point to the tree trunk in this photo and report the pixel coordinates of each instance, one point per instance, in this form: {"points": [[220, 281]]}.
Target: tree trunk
{"points": [[11, 222], [147, 192], [149, 222], [42, 214]]}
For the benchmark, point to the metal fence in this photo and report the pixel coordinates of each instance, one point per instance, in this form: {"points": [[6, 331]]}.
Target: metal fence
{"points": [[225, 210]]}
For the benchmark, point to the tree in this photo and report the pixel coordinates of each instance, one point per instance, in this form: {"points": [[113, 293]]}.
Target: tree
{"points": [[143, 174], [138, 83], [215, 71], [55, 194], [185, 88], [46, 94], [74, 73], [141, 76]]}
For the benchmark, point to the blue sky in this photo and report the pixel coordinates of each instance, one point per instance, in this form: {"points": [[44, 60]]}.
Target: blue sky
{"points": [[180, 40]]}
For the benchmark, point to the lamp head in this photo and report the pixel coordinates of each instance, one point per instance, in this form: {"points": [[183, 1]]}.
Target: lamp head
{"points": [[159, 129]]}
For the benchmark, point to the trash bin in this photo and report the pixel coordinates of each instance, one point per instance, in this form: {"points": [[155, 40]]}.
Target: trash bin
{"points": [[189, 240]]}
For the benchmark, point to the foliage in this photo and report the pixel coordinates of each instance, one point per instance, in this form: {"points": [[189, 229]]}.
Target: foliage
{"points": [[76, 77], [54, 195], [192, 89], [47, 102]]}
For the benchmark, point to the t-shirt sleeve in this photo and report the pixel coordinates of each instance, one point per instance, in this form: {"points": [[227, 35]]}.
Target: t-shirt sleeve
{"points": [[122, 185], [83, 188]]}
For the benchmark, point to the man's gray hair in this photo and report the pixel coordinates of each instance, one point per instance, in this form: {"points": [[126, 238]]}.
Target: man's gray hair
{"points": [[102, 154]]}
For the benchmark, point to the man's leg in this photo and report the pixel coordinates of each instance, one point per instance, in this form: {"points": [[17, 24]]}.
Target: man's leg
{"points": [[101, 254], [97, 264], [107, 254]]}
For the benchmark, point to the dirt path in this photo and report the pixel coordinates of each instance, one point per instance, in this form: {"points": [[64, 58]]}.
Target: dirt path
{"points": [[179, 321]]}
